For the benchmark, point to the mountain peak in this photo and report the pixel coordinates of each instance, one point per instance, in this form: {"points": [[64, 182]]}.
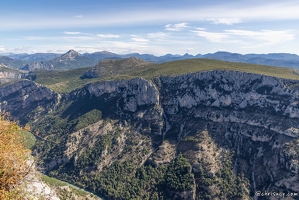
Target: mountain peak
{"points": [[71, 54]]}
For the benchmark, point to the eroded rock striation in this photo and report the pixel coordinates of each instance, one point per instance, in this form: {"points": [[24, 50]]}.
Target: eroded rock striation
{"points": [[38, 65], [203, 116], [26, 101], [255, 116]]}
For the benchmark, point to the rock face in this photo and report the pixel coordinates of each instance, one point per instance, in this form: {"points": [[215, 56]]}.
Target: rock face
{"points": [[71, 60], [201, 115], [254, 115], [71, 54], [26, 100], [234, 97], [135, 100], [8, 76], [12, 63], [37, 65], [11, 75], [89, 74]]}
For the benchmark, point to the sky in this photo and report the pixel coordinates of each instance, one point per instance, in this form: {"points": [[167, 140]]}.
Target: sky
{"points": [[154, 27]]}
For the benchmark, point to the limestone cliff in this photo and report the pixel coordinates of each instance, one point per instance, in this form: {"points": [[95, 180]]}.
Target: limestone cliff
{"points": [[255, 116], [8, 74], [26, 101], [37, 65], [230, 125]]}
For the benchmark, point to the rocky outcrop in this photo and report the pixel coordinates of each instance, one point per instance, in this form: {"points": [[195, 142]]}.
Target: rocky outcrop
{"points": [[11, 63], [35, 188], [26, 101], [135, 101], [135, 92], [71, 60], [70, 55], [37, 65], [12, 75], [8, 74], [89, 74], [255, 116], [235, 97]]}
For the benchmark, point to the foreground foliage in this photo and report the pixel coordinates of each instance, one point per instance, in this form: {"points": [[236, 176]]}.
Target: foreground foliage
{"points": [[14, 164]]}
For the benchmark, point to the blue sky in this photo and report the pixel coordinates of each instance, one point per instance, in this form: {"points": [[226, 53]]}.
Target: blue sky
{"points": [[157, 27]]}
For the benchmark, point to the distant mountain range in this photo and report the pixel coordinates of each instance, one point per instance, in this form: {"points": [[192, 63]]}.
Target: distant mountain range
{"points": [[34, 57], [73, 59]]}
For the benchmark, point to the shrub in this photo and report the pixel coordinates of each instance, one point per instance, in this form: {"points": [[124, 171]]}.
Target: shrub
{"points": [[14, 160]]}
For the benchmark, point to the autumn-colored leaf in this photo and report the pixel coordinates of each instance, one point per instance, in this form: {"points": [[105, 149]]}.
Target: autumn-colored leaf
{"points": [[13, 158]]}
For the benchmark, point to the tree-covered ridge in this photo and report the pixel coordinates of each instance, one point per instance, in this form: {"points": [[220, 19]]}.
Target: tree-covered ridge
{"points": [[66, 81], [200, 135], [111, 166]]}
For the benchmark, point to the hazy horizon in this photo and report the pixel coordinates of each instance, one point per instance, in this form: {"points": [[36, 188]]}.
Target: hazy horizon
{"points": [[155, 27], [83, 52]]}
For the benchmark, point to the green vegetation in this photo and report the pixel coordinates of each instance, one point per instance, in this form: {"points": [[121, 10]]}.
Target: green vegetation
{"points": [[14, 157], [91, 155], [125, 178], [54, 128], [194, 65], [124, 181], [194, 138], [226, 183], [29, 139], [65, 190], [87, 118], [179, 176], [53, 181], [65, 81], [213, 170], [61, 81]]}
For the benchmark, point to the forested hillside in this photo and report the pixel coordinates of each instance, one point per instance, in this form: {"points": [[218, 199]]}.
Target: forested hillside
{"points": [[196, 129]]}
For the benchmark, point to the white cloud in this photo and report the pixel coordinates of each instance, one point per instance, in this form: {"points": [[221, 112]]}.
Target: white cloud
{"points": [[79, 16], [20, 49], [266, 36], [223, 12], [3, 49], [226, 21], [72, 33], [139, 39], [69, 38], [122, 47], [107, 36], [211, 36], [83, 48], [176, 27], [157, 35], [16, 49], [263, 37]]}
